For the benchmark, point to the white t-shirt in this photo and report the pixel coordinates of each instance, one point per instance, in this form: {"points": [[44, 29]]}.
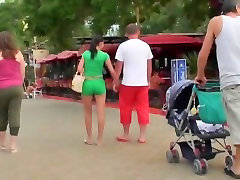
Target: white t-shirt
{"points": [[134, 53]]}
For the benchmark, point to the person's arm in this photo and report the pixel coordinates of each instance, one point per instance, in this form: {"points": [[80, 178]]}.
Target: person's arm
{"points": [[204, 54], [120, 60], [149, 70], [111, 70], [118, 68], [80, 66], [20, 59], [149, 64]]}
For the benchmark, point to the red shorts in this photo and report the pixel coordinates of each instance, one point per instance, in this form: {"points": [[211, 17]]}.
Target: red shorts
{"points": [[131, 97]]}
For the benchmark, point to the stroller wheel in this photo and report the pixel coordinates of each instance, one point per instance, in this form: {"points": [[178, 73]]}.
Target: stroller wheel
{"points": [[229, 162], [200, 167], [173, 156]]}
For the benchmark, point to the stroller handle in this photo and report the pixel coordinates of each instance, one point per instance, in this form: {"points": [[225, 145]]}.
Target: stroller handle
{"points": [[210, 86]]}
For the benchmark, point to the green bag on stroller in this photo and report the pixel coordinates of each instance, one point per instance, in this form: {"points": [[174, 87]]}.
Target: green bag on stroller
{"points": [[211, 108]]}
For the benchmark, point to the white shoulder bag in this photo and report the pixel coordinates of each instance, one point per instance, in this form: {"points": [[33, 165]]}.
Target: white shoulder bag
{"points": [[77, 82]]}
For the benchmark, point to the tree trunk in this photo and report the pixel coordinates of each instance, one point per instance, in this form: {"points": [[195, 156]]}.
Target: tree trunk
{"points": [[138, 15]]}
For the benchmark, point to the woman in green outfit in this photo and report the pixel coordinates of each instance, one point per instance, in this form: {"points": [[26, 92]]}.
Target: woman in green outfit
{"points": [[92, 63]]}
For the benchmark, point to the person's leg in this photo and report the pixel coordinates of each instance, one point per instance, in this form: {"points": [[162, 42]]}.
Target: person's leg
{"points": [[3, 122], [87, 97], [236, 165], [87, 101], [14, 110], [4, 98], [126, 102], [142, 106], [100, 102], [2, 139], [231, 99]]}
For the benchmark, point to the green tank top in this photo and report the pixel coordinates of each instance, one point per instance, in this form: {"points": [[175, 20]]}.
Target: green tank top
{"points": [[94, 67]]}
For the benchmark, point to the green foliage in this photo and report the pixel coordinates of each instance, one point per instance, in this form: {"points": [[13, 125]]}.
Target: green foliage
{"points": [[11, 20], [181, 16], [57, 21], [191, 58]]}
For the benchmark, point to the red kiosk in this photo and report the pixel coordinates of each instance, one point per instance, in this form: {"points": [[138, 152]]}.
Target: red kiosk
{"points": [[58, 70]]}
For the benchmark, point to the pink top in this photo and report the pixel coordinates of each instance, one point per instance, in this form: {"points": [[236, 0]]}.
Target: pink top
{"points": [[10, 73]]}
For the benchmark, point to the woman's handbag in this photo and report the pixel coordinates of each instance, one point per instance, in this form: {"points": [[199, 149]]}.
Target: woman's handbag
{"points": [[77, 82]]}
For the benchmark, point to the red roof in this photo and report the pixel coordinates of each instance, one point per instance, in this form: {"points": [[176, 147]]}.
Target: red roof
{"points": [[109, 48], [67, 54], [152, 40], [82, 49], [50, 57], [161, 39]]}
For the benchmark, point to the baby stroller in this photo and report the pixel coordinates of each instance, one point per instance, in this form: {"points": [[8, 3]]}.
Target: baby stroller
{"points": [[196, 143]]}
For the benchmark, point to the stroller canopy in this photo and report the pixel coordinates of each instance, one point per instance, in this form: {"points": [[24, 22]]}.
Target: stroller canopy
{"points": [[178, 95]]}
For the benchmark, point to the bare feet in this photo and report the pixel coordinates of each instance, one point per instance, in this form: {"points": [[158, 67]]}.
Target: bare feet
{"points": [[142, 140], [13, 144], [99, 142], [236, 170], [3, 140]]}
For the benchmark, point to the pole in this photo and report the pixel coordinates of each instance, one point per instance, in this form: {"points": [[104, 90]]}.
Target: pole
{"points": [[34, 61]]}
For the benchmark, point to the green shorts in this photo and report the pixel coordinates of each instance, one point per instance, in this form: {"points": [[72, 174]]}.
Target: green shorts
{"points": [[94, 87]]}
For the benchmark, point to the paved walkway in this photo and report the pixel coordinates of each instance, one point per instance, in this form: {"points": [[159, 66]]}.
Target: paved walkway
{"points": [[51, 148]]}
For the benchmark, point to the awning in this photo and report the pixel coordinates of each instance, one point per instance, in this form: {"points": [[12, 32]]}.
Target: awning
{"points": [[83, 48], [109, 48], [67, 54], [170, 39], [50, 57]]}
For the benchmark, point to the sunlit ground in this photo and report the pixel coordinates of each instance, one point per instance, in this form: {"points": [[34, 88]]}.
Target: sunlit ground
{"points": [[51, 148]]}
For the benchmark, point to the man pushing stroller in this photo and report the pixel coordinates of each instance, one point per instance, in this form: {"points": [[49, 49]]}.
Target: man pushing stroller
{"points": [[224, 30]]}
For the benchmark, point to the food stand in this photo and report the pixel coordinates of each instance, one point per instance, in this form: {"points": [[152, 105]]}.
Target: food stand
{"points": [[61, 68]]}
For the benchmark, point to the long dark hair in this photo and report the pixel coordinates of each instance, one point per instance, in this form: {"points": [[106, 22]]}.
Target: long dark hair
{"points": [[93, 46], [7, 45]]}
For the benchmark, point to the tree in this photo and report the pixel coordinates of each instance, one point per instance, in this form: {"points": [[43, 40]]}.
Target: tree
{"points": [[179, 16], [106, 13], [58, 20], [11, 19]]}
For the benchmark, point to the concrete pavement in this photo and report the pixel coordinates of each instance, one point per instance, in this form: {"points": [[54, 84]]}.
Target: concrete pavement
{"points": [[51, 148]]}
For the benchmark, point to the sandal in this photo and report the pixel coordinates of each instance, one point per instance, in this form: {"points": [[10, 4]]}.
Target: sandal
{"points": [[231, 173], [3, 148], [120, 139], [13, 151], [87, 143]]}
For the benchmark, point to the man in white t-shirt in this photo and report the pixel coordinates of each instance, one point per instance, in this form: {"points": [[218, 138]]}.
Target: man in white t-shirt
{"points": [[135, 57]]}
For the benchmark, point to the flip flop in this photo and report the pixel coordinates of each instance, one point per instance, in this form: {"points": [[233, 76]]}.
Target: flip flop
{"points": [[13, 151], [142, 142], [85, 142], [120, 139], [3, 148], [231, 173]]}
